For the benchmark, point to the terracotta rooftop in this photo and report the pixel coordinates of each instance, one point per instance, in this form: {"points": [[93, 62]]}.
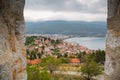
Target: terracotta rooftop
{"points": [[75, 60], [32, 62]]}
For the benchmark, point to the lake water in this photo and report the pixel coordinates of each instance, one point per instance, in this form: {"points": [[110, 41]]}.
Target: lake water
{"points": [[93, 43]]}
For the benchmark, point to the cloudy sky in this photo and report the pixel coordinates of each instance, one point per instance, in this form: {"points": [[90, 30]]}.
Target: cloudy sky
{"points": [[70, 10]]}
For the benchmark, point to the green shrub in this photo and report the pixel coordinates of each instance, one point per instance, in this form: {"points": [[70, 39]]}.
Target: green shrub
{"points": [[90, 68], [34, 73]]}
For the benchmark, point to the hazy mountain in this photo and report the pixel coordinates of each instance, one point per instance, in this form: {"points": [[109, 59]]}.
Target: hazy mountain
{"points": [[77, 28]]}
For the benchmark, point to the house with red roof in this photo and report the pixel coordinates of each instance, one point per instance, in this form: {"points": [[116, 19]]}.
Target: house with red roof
{"points": [[33, 62], [75, 61]]}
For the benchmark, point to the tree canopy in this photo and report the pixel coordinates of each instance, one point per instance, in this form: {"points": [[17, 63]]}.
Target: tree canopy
{"points": [[90, 68]]}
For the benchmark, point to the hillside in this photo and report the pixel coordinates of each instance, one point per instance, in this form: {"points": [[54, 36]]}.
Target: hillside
{"points": [[77, 28]]}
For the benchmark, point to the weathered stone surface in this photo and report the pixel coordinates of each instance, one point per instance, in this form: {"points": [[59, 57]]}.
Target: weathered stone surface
{"points": [[12, 49], [112, 64]]}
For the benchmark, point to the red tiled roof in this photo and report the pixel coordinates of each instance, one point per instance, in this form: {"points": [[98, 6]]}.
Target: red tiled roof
{"points": [[32, 62], [75, 60]]}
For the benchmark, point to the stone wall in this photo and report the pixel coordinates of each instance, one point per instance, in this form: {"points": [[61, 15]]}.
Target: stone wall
{"points": [[112, 64], [12, 49]]}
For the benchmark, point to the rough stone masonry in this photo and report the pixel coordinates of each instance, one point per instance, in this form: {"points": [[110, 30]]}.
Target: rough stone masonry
{"points": [[112, 64], [12, 49]]}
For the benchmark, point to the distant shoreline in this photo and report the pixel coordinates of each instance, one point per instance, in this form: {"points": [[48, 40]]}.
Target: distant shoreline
{"points": [[93, 43], [59, 35]]}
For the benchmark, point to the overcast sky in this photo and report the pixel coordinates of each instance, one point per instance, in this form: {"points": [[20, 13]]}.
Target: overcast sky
{"points": [[71, 10]]}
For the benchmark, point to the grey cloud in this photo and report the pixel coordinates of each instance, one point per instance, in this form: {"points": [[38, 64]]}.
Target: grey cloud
{"points": [[67, 5]]}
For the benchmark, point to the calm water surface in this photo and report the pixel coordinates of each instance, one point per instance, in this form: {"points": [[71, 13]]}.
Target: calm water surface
{"points": [[89, 42]]}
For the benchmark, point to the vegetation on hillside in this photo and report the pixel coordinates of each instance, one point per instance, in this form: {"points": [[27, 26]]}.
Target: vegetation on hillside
{"points": [[91, 64], [50, 63], [90, 68], [34, 73], [30, 40]]}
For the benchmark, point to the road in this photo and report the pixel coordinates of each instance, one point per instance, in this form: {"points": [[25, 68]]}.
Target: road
{"points": [[68, 72]]}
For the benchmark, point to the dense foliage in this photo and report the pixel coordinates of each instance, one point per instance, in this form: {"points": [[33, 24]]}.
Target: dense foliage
{"points": [[99, 56], [30, 40], [34, 73], [90, 68], [50, 63]]}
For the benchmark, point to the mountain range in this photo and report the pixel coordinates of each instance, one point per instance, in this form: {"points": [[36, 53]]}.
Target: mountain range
{"points": [[76, 28]]}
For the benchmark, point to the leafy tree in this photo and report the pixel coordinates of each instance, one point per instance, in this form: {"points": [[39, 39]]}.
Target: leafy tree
{"points": [[39, 55], [58, 41], [64, 60], [55, 42], [43, 47], [34, 73], [33, 55], [50, 63], [90, 68], [44, 75], [59, 55], [65, 55], [55, 51], [99, 56], [28, 54], [81, 56], [30, 40]]}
